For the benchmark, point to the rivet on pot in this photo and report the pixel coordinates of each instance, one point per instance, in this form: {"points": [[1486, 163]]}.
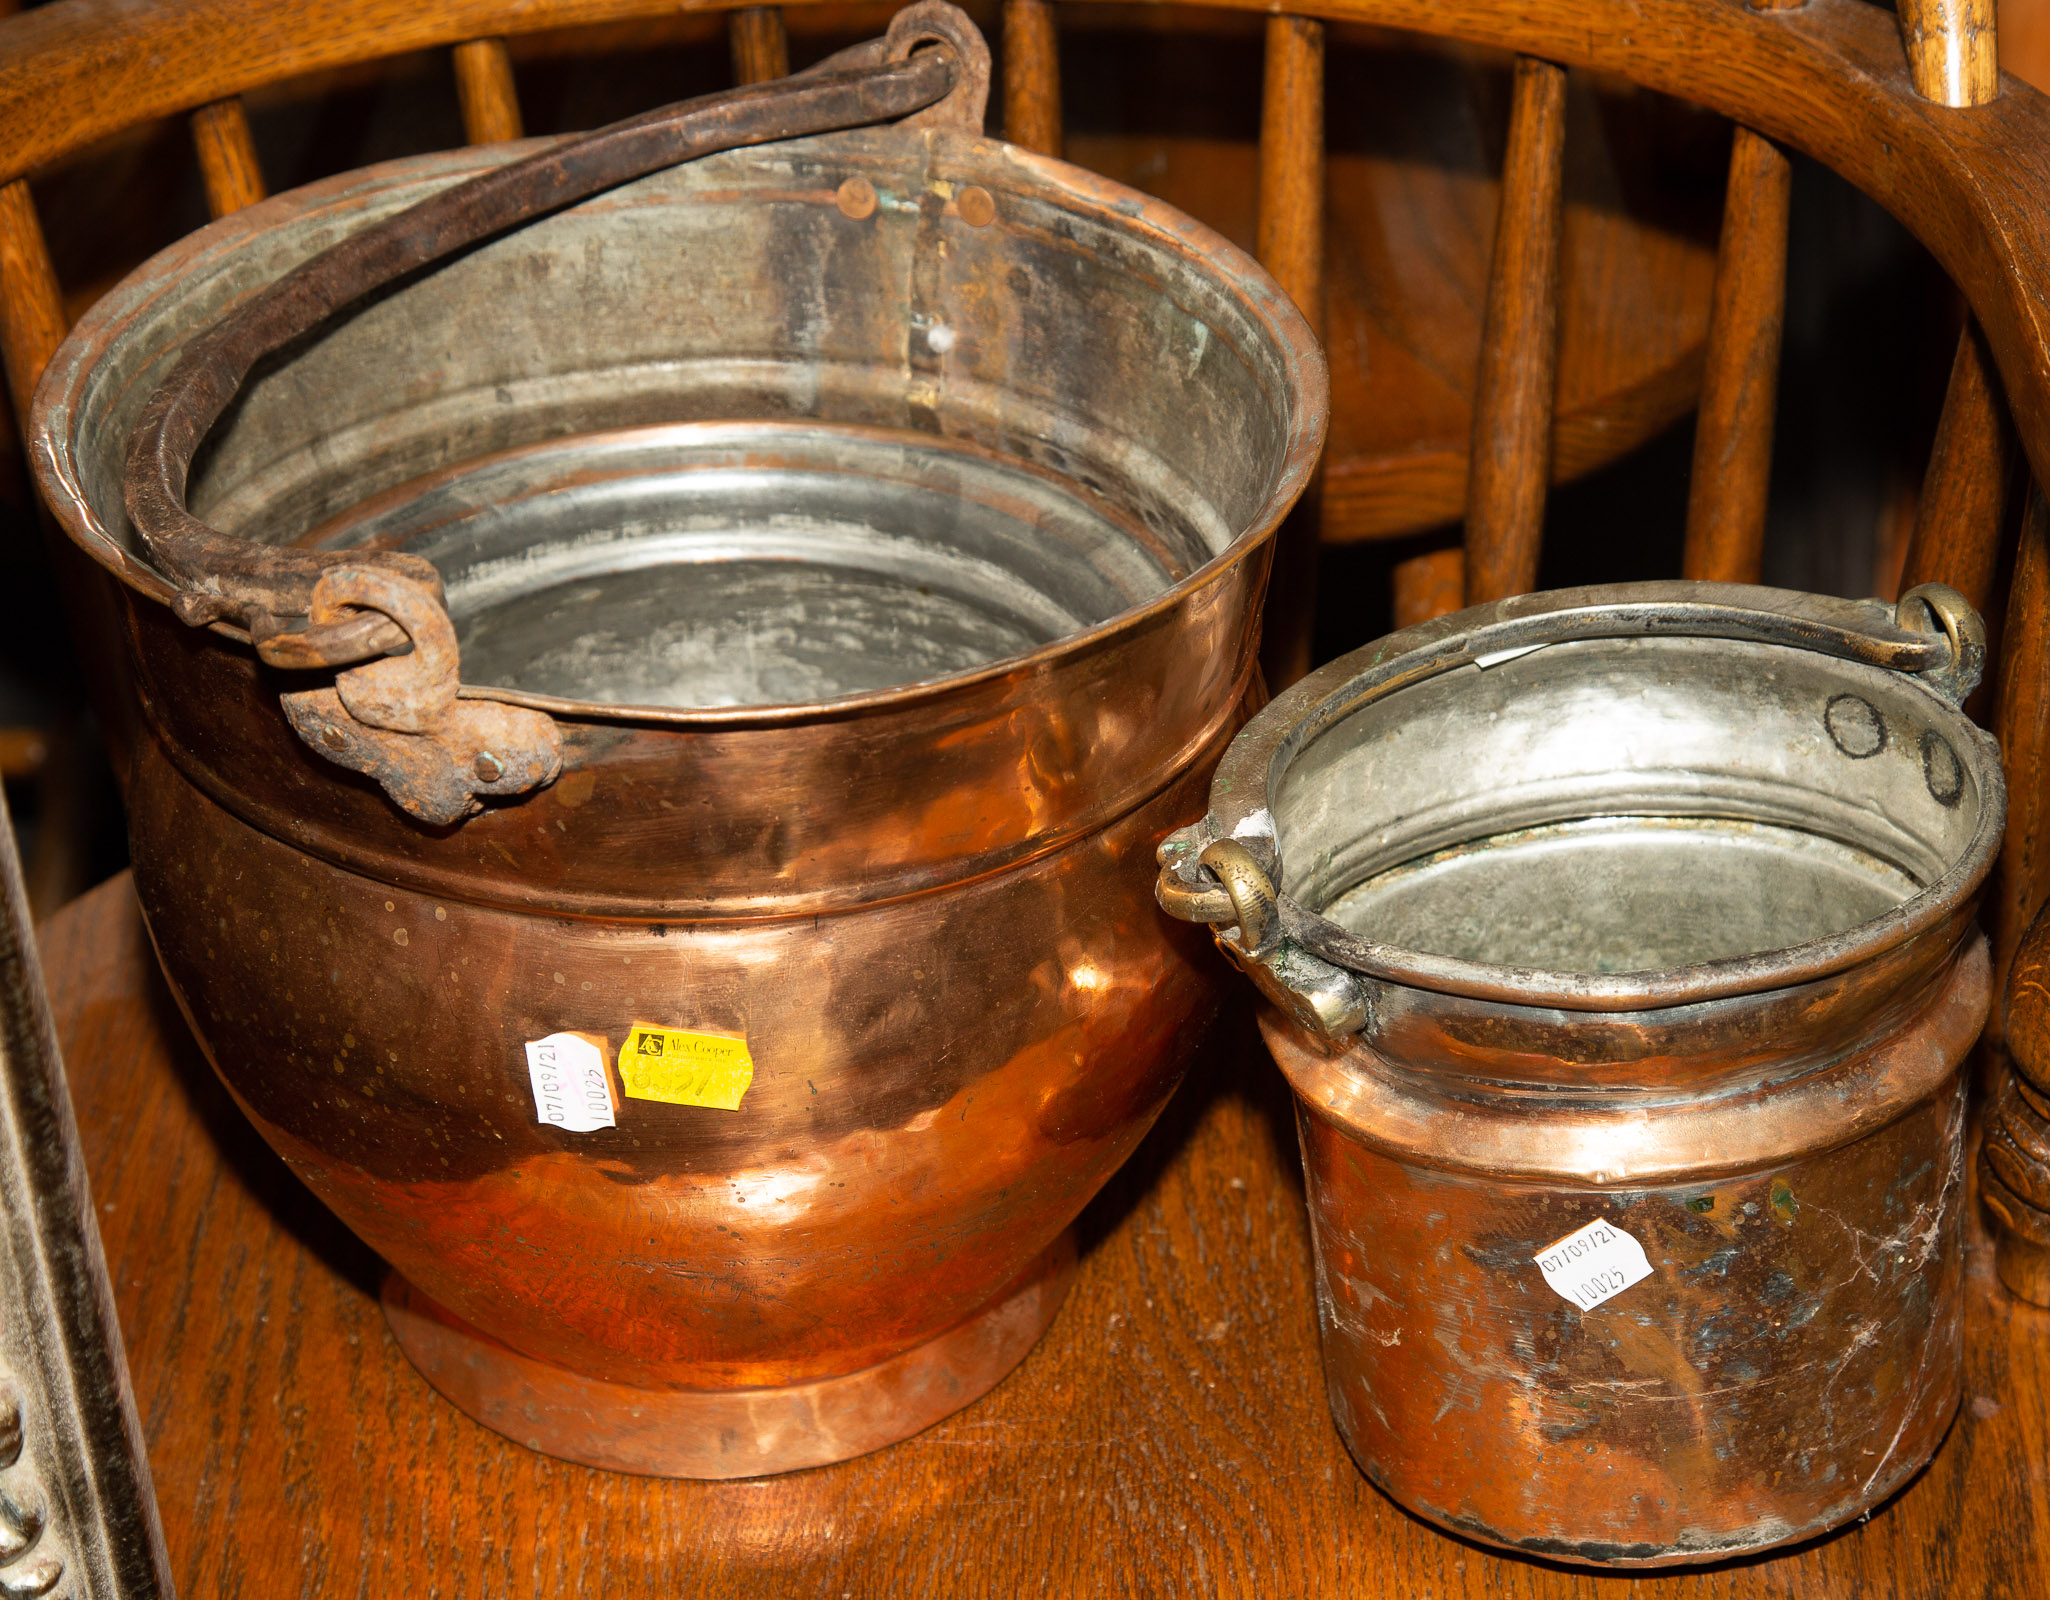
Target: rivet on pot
{"points": [[977, 207], [857, 198], [486, 767]]}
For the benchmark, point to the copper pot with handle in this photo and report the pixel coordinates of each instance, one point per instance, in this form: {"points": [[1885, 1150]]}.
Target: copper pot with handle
{"points": [[1620, 951], [665, 657]]}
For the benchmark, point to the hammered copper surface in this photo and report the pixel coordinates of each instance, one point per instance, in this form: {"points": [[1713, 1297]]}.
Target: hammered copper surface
{"points": [[926, 906], [940, 1083], [1646, 909], [729, 1433], [1794, 1358]]}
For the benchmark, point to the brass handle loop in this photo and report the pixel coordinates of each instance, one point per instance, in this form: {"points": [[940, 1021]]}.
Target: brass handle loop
{"points": [[1251, 892], [1960, 624], [1192, 904], [1245, 894], [358, 606]]}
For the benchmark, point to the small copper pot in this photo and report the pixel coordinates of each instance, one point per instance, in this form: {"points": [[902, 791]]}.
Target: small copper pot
{"points": [[1621, 954], [979, 458]]}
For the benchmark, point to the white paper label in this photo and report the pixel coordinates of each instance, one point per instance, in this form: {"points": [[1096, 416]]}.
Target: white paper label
{"points": [[570, 1088], [1593, 1264]]}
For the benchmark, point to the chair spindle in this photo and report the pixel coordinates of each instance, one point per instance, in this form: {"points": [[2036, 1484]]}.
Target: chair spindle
{"points": [[1727, 494], [32, 322], [1032, 76], [2022, 721], [227, 157], [1429, 584], [761, 49], [1962, 511], [1953, 50], [1511, 459], [1289, 237], [484, 87], [2014, 1160]]}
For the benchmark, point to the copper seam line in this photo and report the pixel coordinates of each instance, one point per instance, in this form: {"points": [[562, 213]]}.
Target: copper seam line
{"points": [[1953, 50], [1512, 404], [227, 157], [1032, 76], [32, 322], [1290, 240], [1727, 494], [761, 47], [484, 88], [1962, 510]]}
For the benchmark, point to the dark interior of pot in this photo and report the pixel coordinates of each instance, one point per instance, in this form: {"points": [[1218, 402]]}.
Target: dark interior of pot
{"points": [[969, 440], [1634, 805]]}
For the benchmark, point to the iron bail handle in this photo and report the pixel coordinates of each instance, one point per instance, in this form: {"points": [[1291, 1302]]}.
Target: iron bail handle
{"points": [[399, 717]]}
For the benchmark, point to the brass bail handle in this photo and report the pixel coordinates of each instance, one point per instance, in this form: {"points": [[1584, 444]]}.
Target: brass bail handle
{"points": [[1938, 607], [1245, 895], [400, 715]]}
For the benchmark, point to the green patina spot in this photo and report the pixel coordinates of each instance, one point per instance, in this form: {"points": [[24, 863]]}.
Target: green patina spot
{"points": [[1783, 1203]]}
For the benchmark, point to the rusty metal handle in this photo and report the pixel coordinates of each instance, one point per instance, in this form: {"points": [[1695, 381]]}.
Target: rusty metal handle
{"points": [[400, 720]]}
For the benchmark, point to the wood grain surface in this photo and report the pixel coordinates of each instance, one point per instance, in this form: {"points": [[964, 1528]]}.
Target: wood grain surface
{"points": [[484, 89], [1512, 401], [227, 156], [1412, 184], [1951, 49], [1032, 76], [1740, 379], [761, 49], [1290, 245], [32, 321], [1168, 1436], [1962, 510], [2021, 881]]}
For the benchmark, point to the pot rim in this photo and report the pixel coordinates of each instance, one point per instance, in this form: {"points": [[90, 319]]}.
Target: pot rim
{"points": [[1113, 203], [1242, 790]]}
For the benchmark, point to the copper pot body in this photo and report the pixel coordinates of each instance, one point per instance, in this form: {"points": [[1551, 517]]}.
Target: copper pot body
{"points": [[926, 906], [1797, 1354], [1646, 910]]}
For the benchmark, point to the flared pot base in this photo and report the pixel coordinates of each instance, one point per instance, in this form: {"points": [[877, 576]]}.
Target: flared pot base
{"points": [[729, 1433]]}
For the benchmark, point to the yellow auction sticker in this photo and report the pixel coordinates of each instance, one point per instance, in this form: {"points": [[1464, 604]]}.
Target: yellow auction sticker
{"points": [[683, 1068]]}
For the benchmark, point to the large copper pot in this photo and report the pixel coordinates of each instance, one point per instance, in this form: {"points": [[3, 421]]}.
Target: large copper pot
{"points": [[960, 468], [1621, 953]]}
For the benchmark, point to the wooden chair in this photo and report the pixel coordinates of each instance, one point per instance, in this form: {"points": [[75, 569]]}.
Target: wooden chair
{"points": [[1918, 118], [1407, 201]]}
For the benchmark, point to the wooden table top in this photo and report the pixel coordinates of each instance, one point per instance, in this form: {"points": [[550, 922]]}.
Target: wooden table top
{"points": [[1167, 1437]]}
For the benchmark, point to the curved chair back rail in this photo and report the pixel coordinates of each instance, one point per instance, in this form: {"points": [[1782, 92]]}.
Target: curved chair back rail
{"points": [[1830, 77], [1910, 109]]}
